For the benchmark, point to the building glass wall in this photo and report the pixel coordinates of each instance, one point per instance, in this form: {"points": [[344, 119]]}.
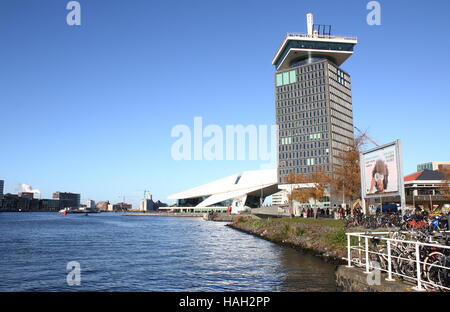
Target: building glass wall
{"points": [[314, 115]]}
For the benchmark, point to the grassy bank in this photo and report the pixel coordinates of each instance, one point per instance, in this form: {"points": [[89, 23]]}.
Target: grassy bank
{"points": [[322, 236]]}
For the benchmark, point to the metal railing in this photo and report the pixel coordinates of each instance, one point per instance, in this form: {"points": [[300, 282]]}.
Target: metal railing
{"points": [[353, 38], [316, 36], [427, 264]]}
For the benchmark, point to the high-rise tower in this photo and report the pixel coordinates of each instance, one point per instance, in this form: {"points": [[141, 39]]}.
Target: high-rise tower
{"points": [[313, 100]]}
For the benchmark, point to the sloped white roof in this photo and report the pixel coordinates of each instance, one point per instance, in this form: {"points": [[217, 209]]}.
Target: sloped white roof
{"points": [[231, 187]]}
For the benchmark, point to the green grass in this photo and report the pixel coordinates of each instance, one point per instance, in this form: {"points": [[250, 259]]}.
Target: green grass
{"points": [[240, 219], [338, 238], [299, 231], [258, 224], [286, 229], [324, 234], [338, 224]]}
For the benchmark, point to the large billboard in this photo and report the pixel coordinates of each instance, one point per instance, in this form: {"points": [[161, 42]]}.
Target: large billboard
{"points": [[381, 172]]}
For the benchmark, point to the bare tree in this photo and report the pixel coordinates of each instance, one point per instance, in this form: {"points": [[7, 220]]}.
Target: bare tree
{"points": [[314, 187], [320, 181], [296, 193], [346, 178]]}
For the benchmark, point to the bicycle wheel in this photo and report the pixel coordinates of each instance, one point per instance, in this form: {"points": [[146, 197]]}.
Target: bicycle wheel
{"points": [[395, 253], [407, 264], [431, 271], [444, 274]]}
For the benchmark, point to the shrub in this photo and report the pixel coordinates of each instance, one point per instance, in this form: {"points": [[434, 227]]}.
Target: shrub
{"points": [[258, 224], [286, 229], [299, 231]]}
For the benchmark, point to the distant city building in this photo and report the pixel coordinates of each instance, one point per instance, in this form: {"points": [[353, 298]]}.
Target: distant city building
{"points": [[49, 205], [28, 195], [67, 200], [90, 204], [9, 202], [103, 206], [2, 185], [150, 205], [121, 207], [14, 202], [146, 205], [313, 95], [433, 165], [160, 204]]}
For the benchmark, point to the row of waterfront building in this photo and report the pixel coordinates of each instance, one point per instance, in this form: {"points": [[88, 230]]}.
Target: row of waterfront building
{"points": [[27, 201], [249, 189]]}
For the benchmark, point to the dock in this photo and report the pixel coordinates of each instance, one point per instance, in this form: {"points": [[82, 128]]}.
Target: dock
{"points": [[216, 216], [165, 214]]}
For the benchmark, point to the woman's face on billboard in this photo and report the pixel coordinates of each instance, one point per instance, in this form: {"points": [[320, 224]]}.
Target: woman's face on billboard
{"points": [[379, 182]]}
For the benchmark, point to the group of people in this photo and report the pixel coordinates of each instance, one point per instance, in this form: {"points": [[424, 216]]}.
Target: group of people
{"points": [[341, 213], [309, 213], [337, 212]]}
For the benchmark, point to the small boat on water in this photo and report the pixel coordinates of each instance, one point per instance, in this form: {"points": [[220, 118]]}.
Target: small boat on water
{"points": [[65, 211]]}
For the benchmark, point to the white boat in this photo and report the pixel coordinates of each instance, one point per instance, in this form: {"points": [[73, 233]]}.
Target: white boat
{"points": [[65, 211]]}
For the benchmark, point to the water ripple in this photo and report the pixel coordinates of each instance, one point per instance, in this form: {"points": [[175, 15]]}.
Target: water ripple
{"points": [[119, 253]]}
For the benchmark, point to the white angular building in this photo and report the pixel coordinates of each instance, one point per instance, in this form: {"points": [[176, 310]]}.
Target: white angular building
{"points": [[241, 192]]}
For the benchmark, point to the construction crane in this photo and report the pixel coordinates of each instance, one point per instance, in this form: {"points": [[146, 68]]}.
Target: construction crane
{"points": [[364, 134]]}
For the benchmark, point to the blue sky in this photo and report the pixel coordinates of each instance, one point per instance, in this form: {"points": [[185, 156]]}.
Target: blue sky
{"points": [[90, 108]]}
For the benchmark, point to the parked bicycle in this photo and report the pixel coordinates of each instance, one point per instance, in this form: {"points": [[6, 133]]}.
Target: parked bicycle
{"points": [[434, 261]]}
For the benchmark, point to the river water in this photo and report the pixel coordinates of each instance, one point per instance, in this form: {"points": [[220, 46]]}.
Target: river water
{"points": [[131, 253]]}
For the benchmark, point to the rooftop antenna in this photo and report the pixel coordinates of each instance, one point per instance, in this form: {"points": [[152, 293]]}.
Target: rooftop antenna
{"points": [[310, 23]]}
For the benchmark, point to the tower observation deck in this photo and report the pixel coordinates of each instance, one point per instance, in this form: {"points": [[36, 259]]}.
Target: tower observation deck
{"points": [[317, 43]]}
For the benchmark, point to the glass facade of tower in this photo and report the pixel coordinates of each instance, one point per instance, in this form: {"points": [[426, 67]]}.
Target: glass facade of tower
{"points": [[314, 116]]}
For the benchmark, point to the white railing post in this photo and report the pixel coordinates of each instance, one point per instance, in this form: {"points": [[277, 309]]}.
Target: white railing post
{"points": [[391, 267], [389, 261], [349, 251], [419, 280], [359, 248], [366, 239]]}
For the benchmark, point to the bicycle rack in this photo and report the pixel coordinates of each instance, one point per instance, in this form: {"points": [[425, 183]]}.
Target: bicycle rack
{"points": [[413, 260]]}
